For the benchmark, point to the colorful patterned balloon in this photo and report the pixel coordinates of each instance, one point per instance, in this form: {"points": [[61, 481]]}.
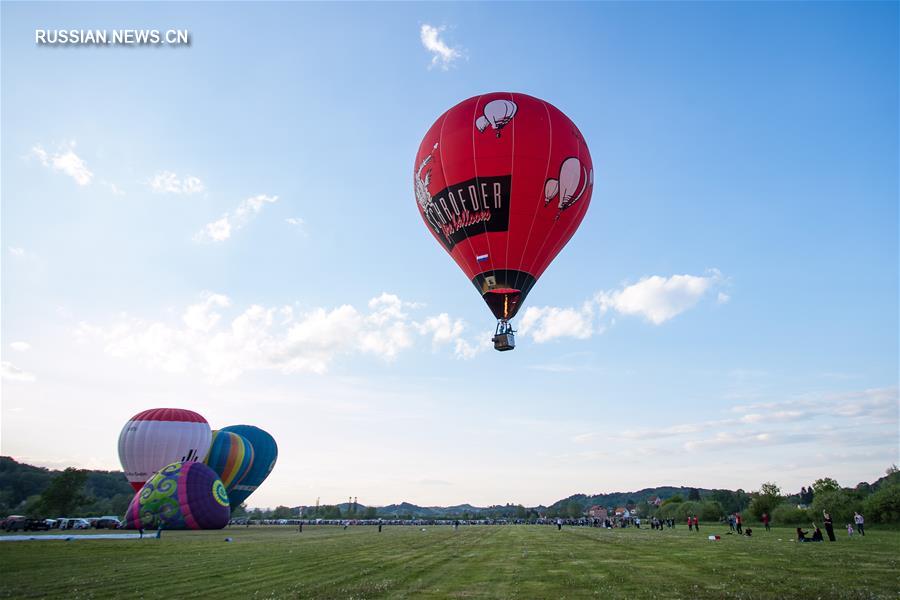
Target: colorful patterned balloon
{"points": [[183, 495], [265, 453], [231, 457]]}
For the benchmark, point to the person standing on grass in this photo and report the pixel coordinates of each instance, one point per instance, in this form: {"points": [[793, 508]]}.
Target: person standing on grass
{"points": [[559, 524], [860, 523], [690, 523], [829, 526], [737, 524], [696, 523], [765, 520]]}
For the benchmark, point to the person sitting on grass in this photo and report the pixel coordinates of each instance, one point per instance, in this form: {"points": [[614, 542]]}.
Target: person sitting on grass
{"points": [[801, 535], [817, 534]]}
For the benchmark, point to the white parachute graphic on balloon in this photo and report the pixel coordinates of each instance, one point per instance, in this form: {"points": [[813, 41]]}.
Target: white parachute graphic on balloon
{"points": [[573, 181], [497, 114]]}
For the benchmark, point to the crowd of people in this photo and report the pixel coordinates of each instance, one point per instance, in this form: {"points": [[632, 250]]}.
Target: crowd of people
{"points": [[828, 522], [735, 524]]}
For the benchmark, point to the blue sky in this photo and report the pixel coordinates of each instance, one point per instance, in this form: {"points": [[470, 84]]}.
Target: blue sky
{"points": [[231, 227]]}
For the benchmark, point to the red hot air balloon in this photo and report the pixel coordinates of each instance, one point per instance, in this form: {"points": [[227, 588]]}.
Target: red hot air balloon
{"points": [[503, 206]]}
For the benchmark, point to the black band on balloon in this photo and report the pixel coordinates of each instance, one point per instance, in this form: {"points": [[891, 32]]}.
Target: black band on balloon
{"points": [[504, 290]]}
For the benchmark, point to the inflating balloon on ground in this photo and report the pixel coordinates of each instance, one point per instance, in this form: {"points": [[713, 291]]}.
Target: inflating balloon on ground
{"points": [[231, 457], [186, 476], [157, 437], [183, 495], [265, 453]]}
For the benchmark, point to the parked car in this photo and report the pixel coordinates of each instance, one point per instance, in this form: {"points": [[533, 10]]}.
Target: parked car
{"points": [[108, 523], [35, 525], [14, 523], [74, 523]]}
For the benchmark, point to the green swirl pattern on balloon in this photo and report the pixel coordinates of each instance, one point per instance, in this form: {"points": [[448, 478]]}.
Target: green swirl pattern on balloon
{"points": [[219, 492], [158, 501]]}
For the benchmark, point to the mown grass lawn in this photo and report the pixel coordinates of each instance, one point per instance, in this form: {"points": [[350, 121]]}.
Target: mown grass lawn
{"points": [[473, 562]]}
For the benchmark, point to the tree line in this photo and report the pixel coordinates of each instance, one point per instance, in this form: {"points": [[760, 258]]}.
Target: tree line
{"points": [[40, 492]]}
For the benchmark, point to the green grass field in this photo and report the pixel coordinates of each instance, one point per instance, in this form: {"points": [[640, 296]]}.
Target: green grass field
{"points": [[474, 562]]}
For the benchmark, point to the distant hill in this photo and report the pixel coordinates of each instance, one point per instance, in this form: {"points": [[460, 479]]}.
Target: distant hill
{"points": [[617, 499]]}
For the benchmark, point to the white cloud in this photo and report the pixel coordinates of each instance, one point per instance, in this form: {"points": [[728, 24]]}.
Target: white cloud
{"points": [[655, 298], [659, 299], [16, 251], [275, 338], [200, 317], [297, 223], [442, 329], [167, 182], [442, 54], [777, 416], [222, 228], [10, 372], [549, 322], [723, 298], [865, 417], [113, 188], [876, 405], [725, 438], [20, 346], [217, 231], [66, 161], [445, 330], [467, 350]]}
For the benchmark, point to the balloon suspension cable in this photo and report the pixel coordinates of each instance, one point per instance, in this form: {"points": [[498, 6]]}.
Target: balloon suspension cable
{"points": [[504, 336], [503, 327]]}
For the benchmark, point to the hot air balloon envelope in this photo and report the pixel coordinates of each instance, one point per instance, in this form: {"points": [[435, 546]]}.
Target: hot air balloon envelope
{"points": [[183, 495], [265, 453], [487, 199], [157, 437], [230, 456]]}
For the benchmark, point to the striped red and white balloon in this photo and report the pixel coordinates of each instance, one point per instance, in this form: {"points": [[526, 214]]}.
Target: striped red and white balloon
{"points": [[158, 437]]}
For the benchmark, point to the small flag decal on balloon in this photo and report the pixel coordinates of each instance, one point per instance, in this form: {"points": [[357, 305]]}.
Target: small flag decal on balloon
{"points": [[481, 257]]}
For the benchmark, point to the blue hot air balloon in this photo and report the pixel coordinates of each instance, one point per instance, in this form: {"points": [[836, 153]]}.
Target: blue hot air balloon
{"points": [[265, 453]]}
